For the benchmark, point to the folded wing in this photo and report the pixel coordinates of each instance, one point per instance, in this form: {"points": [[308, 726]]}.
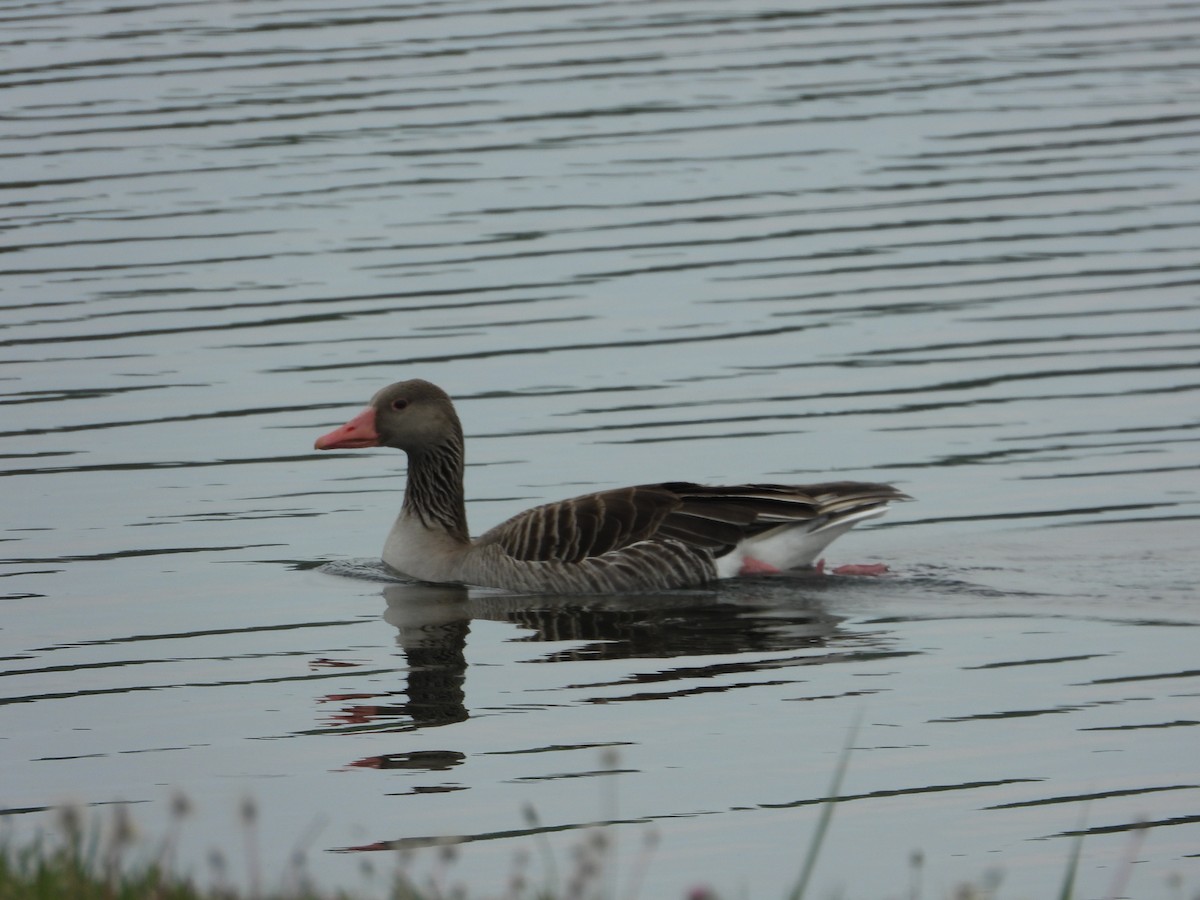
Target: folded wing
{"points": [[710, 519]]}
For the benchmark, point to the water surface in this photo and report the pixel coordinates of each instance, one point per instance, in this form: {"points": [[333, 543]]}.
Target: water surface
{"points": [[949, 246]]}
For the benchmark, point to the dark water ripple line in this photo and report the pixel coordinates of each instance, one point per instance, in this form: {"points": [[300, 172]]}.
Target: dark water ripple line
{"points": [[96, 393], [255, 411], [709, 24], [1069, 451], [393, 307], [118, 753], [165, 464], [789, 234], [542, 143], [197, 633], [124, 663], [550, 348], [91, 804], [1049, 146], [1022, 713], [1082, 799], [657, 108], [856, 189], [126, 66], [260, 411], [443, 840], [1177, 723], [1145, 349], [988, 301], [902, 792], [991, 261], [228, 683], [1138, 825], [389, 297], [716, 218], [499, 120], [86, 109], [126, 554], [323, 57], [1026, 339], [632, 29], [557, 776], [248, 516], [747, 667], [143, 238], [709, 436], [810, 93], [1043, 236], [1151, 470], [432, 297], [713, 217], [1026, 163], [1125, 679], [1041, 514], [791, 399], [885, 264], [374, 187], [416, 843], [698, 690], [182, 265], [307, 319], [333, 56], [799, 56], [1051, 660], [903, 409], [127, 175], [283, 98], [960, 586], [1141, 310], [1105, 432], [816, 93], [40, 454], [307, 115], [1128, 122]]}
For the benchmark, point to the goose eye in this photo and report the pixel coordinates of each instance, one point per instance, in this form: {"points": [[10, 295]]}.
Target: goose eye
{"points": [[399, 404]]}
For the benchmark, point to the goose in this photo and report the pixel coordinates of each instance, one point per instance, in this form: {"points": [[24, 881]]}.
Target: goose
{"points": [[648, 537]]}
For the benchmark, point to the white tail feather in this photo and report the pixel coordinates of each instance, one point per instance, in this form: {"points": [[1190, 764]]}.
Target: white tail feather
{"points": [[794, 546]]}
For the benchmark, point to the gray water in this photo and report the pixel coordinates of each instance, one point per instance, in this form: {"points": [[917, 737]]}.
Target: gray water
{"points": [[951, 246]]}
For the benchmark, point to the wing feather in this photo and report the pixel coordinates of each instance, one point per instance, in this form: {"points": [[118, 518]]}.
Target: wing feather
{"points": [[709, 519], [583, 527]]}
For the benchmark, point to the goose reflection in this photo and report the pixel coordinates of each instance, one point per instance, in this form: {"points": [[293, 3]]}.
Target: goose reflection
{"points": [[760, 626], [433, 623]]}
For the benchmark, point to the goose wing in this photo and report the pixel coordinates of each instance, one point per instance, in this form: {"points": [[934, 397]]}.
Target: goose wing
{"points": [[582, 527], [717, 519], [712, 519]]}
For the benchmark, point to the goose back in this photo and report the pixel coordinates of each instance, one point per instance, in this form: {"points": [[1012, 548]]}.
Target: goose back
{"points": [[671, 534]]}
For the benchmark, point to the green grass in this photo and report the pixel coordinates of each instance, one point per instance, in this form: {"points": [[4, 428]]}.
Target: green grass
{"points": [[102, 859], [94, 860]]}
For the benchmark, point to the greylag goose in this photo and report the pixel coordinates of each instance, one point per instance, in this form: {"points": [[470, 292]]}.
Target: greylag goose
{"points": [[643, 538]]}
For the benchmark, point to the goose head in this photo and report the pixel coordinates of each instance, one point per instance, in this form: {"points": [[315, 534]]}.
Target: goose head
{"points": [[414, 416]]}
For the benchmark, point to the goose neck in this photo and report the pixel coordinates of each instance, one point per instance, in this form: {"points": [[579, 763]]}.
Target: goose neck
{"points": [[434, 493]]}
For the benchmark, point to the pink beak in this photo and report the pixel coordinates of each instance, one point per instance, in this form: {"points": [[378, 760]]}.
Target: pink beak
{"points": [[358, 432]]}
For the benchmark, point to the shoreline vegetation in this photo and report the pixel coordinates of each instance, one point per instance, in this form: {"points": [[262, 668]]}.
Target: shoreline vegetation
{"points": [[90, 858], [109, 861]]}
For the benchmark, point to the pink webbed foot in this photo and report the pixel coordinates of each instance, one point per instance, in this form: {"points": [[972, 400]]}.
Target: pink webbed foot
{"points": [[852, 569], [752, 566]]}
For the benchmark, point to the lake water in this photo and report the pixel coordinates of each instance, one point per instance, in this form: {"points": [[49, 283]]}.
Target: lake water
{"points": [[951, 246]]}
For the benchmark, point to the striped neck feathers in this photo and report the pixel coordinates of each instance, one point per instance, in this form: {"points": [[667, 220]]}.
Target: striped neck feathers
{"points": [[434, 493]]}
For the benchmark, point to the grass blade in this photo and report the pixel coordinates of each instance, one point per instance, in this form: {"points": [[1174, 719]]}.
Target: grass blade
{"points": [[826, 816]]}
